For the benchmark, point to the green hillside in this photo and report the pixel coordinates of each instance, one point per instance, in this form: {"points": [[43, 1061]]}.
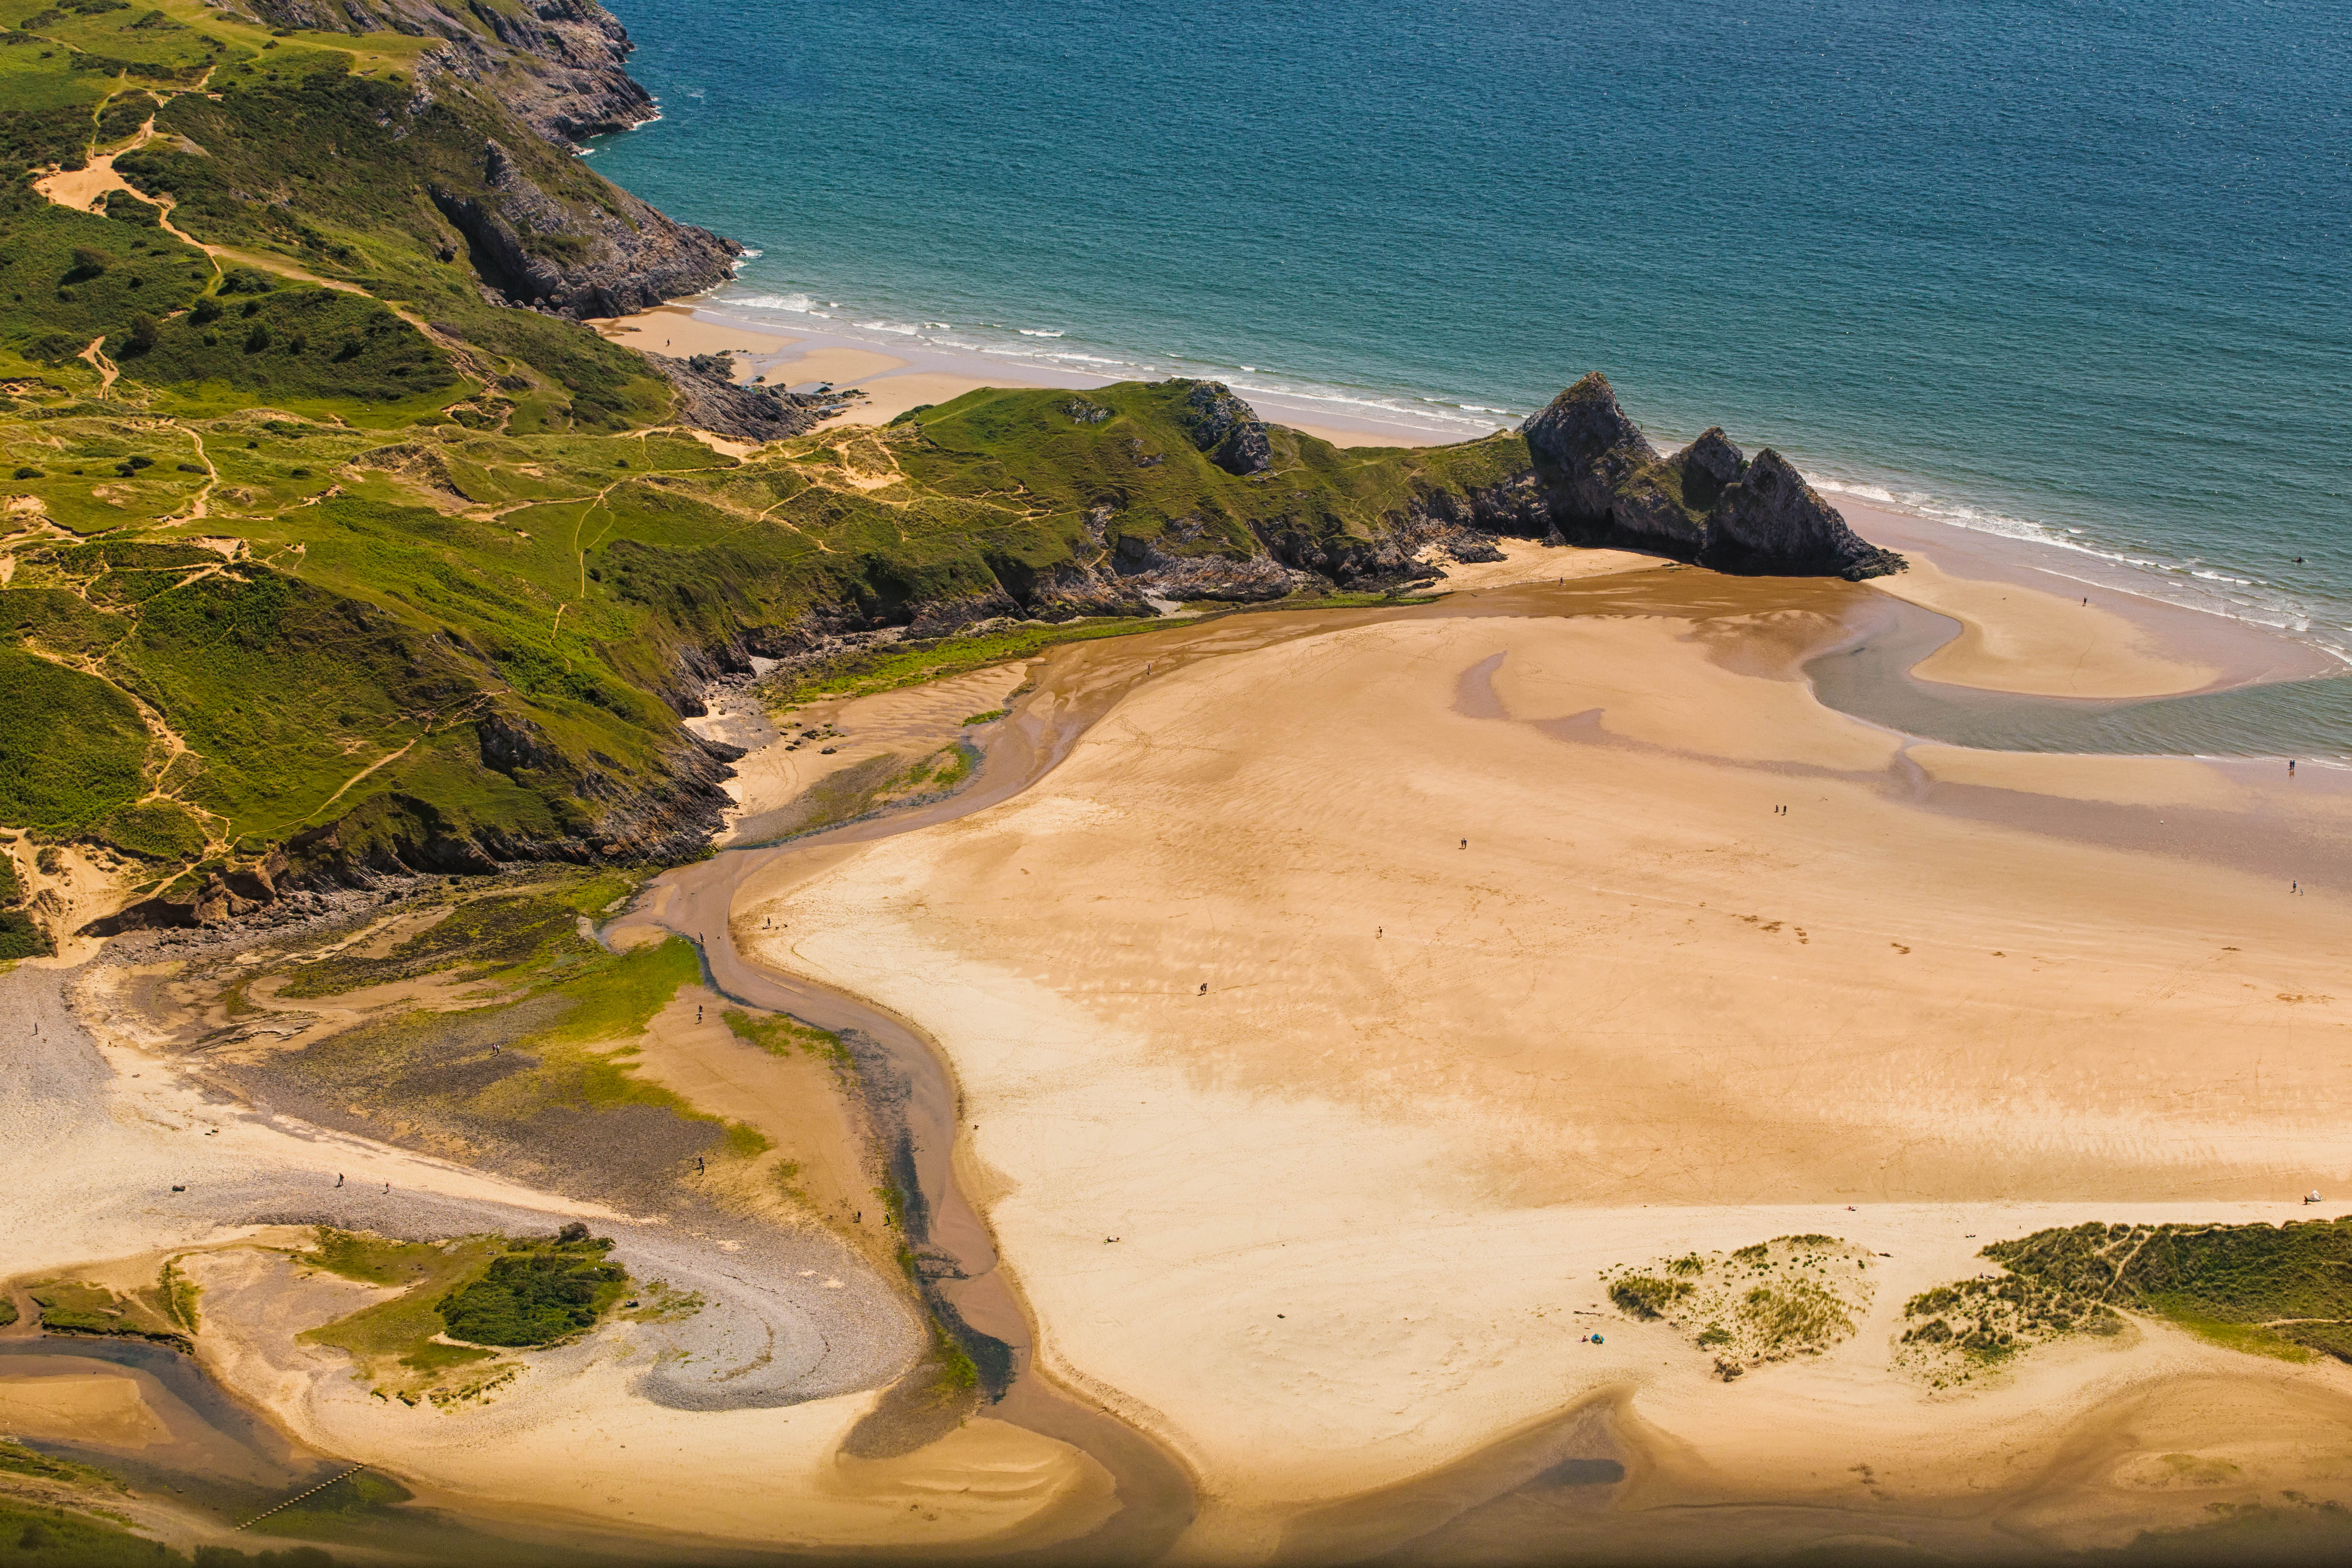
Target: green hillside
{"points": [[320, 554]]}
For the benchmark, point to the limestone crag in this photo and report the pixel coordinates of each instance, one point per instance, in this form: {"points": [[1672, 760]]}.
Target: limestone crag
{"points": [[576, 259], [1773, 521], [1227, 429], [560, 64], [1605, 484], [709, 399]]}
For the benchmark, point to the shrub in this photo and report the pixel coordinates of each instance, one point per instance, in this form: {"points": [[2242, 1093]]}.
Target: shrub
{"points": [[538, 1297], [1646, 1296], [27, 472]]}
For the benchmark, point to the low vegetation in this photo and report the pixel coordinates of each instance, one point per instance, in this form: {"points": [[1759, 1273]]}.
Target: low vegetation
{"points": [[464, 1307], [2283, 1291], [163, 1312], [781, 1035], [1791, 1296], [536, 1294], [1955, 1333]]}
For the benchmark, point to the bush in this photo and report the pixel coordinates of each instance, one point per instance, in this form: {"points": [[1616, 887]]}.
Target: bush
{"points": [[538, 1297], [27, 472], [1646, 1296], [143, 328]]}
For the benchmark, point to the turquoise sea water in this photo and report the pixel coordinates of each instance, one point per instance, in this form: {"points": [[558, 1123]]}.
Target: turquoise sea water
{"points": [[2080, 271]]}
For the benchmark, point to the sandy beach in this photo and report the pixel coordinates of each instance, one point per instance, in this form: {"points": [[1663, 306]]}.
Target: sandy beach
{"points": [[896, 381], [1338, 1011]]}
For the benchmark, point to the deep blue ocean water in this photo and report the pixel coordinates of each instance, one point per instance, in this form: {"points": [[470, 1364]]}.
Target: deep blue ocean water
{"points": [[2081, 271]]}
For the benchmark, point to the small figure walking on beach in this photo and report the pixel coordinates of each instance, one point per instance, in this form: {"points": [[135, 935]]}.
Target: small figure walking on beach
{"points": [[339, 1178], [1204, 988], [1466, 843], [2290, 767]]}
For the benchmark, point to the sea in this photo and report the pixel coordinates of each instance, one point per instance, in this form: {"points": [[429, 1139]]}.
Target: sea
{"points": [[2074, 272]]}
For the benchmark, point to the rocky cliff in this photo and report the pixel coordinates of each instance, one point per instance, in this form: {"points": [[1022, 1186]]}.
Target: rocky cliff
{"points": [[558, 66], [1603, 483], [573, 258]]}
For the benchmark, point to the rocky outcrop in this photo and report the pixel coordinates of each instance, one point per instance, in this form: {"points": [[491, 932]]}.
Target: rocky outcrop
{"points": [[1771, 520], [1605, 484], [576, 258], [1226, 428], [560, 67], [557, 64], [709, 399]]}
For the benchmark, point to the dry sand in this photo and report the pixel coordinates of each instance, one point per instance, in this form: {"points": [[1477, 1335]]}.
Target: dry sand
{"points": [[815, 1170], [1367, 1175], [100, 1406], [889, 397], [677, 332], [1524, 561]]}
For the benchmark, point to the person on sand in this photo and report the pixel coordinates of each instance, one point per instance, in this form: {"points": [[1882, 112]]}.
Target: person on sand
{"points": [[339, 1178]]}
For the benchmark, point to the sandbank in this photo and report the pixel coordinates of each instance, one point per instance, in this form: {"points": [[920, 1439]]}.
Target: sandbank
{"points": [[2014, 638], [1369, 1175], [574, 1442], [2027, 630]]}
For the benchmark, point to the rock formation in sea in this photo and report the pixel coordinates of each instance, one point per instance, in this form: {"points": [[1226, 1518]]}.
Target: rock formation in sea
{"points": [[1605, 484]]}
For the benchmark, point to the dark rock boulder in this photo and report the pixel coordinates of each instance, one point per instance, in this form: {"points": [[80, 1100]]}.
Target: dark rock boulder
{"points": [[708, 400], [1711, 459], [577, 259], [1226, 428], [1771, 520], [1585, 424]]}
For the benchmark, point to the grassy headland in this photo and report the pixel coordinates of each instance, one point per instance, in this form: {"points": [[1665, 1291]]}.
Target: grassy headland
{"points": [[321, 557]]}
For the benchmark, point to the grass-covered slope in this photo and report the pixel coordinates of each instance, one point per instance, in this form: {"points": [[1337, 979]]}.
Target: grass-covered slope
{"points": [[320, 556]]}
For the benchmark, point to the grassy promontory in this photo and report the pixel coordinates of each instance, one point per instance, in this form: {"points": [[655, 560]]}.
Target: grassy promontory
{"points": [[322, 556]]}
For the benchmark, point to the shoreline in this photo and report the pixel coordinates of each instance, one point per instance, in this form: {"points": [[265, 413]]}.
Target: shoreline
{"points": [[2209, 648]]}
